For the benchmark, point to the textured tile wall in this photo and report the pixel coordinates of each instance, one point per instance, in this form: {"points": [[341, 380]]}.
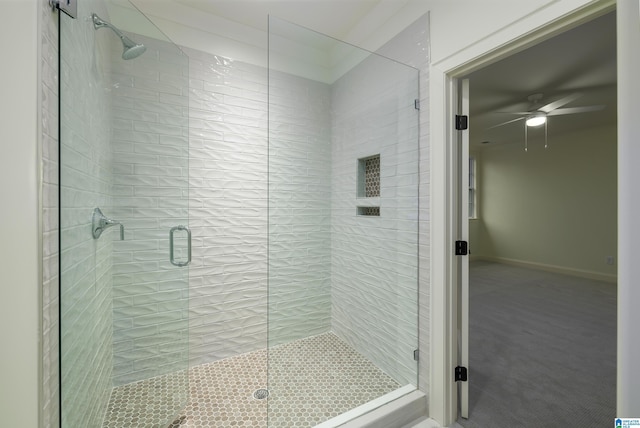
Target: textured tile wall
{"points": [[299, 208], [228, 142], [374, 259], [228, 207], [150, 130], [49, 149], [411, 46], [85, 183]]}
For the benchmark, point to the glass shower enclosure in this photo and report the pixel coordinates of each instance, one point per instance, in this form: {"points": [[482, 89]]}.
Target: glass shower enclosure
{"points": [[296, 183], [124, 219], [343, 229]]}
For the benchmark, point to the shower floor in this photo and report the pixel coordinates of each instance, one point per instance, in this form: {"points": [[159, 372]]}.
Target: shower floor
{"points": [[310, 381]]}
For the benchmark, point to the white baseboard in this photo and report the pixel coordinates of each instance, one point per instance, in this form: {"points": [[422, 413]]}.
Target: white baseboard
{"points": [[551, 268]]}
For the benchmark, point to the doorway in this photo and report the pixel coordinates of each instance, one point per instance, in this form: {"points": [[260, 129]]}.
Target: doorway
{"points": [[497, 235]]}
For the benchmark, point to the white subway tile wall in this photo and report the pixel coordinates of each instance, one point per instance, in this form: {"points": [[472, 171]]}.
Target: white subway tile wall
{"points": [[150, 145], [229, 210], [228, 207], [299, 208], [411, 47], [374, 268], [85, 183]]}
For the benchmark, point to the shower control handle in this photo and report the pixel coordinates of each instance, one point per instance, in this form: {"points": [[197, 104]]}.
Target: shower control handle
{"points": [[171, 257], [100, 222]]}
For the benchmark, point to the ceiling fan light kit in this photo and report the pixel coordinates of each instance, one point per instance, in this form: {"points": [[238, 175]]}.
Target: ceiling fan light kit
{"points": [[536, 119]]}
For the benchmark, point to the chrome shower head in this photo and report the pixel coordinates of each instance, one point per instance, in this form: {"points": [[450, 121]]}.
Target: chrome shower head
{"points": [[131, 48]]}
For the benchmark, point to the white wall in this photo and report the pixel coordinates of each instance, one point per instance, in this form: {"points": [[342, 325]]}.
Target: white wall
{"points": [[628, 15], [19, 218], [550, 208], [50, 218]]}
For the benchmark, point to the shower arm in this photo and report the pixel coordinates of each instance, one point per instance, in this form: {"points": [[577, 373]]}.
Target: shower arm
{"points": [[131, 48], [100, 23]]}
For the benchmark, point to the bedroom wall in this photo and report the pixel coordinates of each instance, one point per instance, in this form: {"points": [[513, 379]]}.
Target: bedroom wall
{"points": [[553, 208], [19, 319]]}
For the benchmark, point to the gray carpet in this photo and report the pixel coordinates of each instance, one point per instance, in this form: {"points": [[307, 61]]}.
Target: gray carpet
{"points": [[542, 349]]}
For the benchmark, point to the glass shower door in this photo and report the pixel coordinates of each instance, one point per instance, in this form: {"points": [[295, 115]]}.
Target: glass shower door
{"points": [[343, 229], [124, 236]]}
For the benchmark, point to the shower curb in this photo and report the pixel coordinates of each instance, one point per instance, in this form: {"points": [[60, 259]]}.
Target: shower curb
{"points": [[395, 414]]}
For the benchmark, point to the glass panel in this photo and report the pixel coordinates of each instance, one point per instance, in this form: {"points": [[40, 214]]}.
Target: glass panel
{"points": [[342, 296], [124, 150]]}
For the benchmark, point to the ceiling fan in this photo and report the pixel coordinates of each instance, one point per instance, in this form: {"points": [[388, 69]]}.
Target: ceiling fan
{"points": [[538, 112]]}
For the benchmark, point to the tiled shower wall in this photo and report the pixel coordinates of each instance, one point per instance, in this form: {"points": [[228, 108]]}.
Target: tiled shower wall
{"points": [[299, 208], [232, 99], [150, 146], [228, 207], [86, 182], [228, 177], [411, 47], [374, 267]]}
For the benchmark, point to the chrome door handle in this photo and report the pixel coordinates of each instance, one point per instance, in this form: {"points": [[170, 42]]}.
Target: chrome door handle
{"points": [[171, 258]]}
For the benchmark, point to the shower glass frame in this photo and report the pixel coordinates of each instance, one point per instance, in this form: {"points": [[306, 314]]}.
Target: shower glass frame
{"points": [[124, 148], [342, 263]]}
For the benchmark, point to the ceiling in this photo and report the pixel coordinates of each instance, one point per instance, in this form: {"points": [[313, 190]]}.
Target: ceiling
{"points": [[581, 60], [319, 15], [238, 29], [352, 21]]}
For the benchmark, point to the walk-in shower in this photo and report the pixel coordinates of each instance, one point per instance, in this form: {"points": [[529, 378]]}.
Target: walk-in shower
{"points": [[123, 163], [266, 269]]}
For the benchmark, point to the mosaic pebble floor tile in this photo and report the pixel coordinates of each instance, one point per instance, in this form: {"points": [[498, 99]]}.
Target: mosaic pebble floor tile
{"points": [[140, 404], [309, 381]]}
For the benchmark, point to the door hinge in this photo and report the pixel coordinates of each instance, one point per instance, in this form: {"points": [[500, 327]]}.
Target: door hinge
{"points": [[462, 248], [416, 104], [416, 355], [460, 374], [70, 7], [462, 122]]}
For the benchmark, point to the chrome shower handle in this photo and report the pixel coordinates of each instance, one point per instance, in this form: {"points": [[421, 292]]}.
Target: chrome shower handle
{"points": [[100, 222], [171, 258]]}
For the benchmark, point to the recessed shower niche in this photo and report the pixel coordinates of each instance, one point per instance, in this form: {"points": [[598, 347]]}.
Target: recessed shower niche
{"points": [[369, 186]]}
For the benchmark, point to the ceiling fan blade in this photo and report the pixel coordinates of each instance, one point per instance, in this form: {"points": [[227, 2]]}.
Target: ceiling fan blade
{"points": [[514, 112], [505, 123], [573, 110], [562, 101]]}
